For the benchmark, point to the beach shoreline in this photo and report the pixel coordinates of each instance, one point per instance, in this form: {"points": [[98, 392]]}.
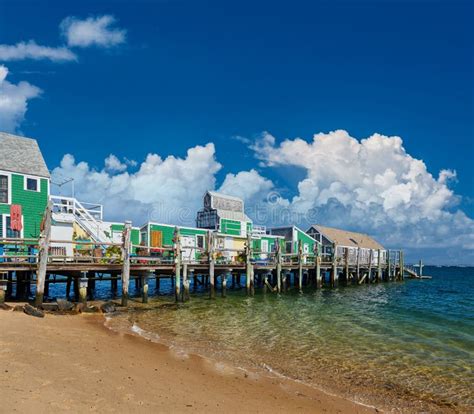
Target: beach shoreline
{"points": [[75, 363]]}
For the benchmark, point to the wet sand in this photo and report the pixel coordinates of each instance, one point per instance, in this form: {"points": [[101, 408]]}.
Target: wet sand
{"points": [[74, 363]]}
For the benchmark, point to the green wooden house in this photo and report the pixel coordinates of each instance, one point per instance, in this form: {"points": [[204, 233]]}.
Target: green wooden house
{"points": [[157, 236], [25, 182], [293, 236]]}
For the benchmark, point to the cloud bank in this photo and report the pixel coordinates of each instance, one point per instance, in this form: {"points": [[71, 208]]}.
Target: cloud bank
{"points": [[166, 190], [14, 101], [372, 185]]}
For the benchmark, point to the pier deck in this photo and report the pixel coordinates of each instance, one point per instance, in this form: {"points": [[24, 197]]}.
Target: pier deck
{"points": [[27, 262]]}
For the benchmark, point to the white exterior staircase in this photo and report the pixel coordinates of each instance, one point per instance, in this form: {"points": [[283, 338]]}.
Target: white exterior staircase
{"points": [[88, 216]]}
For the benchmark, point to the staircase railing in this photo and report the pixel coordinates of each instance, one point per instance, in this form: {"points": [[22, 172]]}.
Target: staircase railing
{"points": [[89, 218]]}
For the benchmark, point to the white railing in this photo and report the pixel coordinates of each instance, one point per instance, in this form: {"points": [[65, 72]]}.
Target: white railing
{"points": [[87, 215]]}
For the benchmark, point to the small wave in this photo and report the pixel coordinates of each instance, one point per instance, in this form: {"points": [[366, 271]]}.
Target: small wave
{"points": [[151, 336]]}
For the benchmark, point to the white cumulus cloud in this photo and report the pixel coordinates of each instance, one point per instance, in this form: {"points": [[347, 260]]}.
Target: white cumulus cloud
{"points": [[166, 190], [113, 164], [248, 185], [374, 186], [14, 101], [93, 31], [31, 50]]}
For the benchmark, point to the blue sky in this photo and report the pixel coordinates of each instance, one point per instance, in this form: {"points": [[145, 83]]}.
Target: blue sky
{"points": [[187, 73]]}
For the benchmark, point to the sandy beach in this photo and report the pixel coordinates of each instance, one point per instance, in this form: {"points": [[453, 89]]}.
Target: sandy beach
{"points": [[74, 363]]}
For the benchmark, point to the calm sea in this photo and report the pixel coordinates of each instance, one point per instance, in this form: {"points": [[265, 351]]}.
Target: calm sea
{"points": [[381, 343]]}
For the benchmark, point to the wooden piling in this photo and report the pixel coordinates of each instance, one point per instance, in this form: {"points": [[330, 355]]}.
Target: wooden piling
{"points": [[248, 267], [300, 266], [358, 265], [224, 282], [278, 266], [402, 265], [389, 275], [43, 253], [3, 286], [346, 264], [379, 266], [83, 283], [145, 287], [334, 272], [126, 261], [185, 283], [177, 262], [68, 287], [212, 280], [369, 275], [113, 286]]}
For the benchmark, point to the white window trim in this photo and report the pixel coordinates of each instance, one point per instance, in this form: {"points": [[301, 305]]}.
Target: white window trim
{"points": [[4, 226], [38, 181], [9, 175]]}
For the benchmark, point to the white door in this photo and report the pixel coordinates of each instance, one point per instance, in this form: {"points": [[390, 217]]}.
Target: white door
{"points": [[188, 244]]}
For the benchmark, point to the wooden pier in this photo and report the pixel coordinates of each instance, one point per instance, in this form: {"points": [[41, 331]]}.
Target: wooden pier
{"points": [[35, 262]]}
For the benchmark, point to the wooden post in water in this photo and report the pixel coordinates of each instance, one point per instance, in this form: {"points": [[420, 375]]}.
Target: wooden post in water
{"points": [[379, 266], [186, 282], [3, 286], [334, 272], [83, 283], [212, 289], [43, 252], [319, 281], [224, 282], [126, 261], [401, 265], [145, 287], [177, 263], [358, 265], [346, 264], [389, 275], [369, 276], [300, 266], [248, 254], [278, 265]]}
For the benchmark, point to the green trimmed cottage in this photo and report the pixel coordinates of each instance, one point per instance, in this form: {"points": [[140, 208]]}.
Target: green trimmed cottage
{"points": [[25, 182], [158, 235], [292, 236]]}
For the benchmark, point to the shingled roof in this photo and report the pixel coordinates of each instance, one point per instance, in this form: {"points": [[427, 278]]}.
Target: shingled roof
{"points": [[21, 155], [348, 238]]}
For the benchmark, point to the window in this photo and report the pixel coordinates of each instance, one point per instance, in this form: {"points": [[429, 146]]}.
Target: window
{"points": [[31, 184], [4, 189], [9, 232], [200, 241]]}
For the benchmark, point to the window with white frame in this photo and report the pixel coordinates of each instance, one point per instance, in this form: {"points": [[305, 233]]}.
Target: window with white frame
{"points": [[4, 188], [32, 184], [7, 230]]}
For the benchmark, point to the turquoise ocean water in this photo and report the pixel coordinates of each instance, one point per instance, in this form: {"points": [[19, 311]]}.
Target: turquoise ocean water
{"points": [[380, 343]]}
